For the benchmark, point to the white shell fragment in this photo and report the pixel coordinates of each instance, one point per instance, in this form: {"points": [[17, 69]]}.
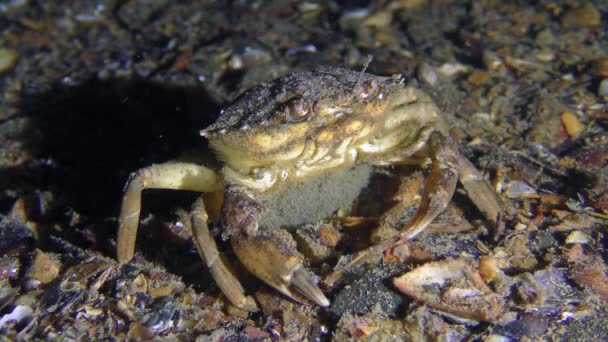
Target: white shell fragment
{"points": [[519, 189], [578, 237], [452, 286], [20, 314]]}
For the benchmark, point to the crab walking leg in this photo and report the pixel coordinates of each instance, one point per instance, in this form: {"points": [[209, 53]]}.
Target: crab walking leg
{"points": [[440, 185], [223, 275], [177, 176], [479, 190]]}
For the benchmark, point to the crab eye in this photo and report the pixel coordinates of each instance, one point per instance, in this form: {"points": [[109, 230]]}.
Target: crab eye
{"points": [[297, 110], [368, 88]]}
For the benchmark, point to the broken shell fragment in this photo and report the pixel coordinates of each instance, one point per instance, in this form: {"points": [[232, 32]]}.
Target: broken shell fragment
{"points": [[488, 268], [572, 125], [587, 269], [452, 286]]}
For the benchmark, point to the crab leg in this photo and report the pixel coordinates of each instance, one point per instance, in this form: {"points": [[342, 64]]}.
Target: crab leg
{"points": [[440, 185], [447, 166], [479, 190], [223, 275], [178, 176]]}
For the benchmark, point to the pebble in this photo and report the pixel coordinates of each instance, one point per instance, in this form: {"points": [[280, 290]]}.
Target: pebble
{"points": [[572, 125], [14, 235], [20, 314], [379, 19], [428, 74], [478, 78], [600, 67], [488, 268], [491, 60], [43, 268], [578, 237], [545, 37], [166, 290], [519, 189], [452, 69], [236, 62], [7, 295], [545, 56], [317, 243], [602, 90], [139, 332], [8, 59], [586, 15], [309, 7]]}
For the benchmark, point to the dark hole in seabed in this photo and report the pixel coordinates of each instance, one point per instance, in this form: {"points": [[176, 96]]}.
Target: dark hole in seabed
{"points": [[86, 139]]}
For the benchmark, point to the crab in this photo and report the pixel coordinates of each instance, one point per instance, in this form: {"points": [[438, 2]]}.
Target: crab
{"points": [[291, 132]]}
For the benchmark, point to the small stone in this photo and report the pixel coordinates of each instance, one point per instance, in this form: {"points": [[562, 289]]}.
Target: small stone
{"points": [[43, 268], [452, 69], [586, 15], [545, 37], [236, 62], [520, 189], [167, 290], [386, 37], [578, 237], [19, 315], [520, 227], [406, 4], [7, 295], [139, 284], [8, 59], [491, 60], [602, 90], [427, 74], [571, 124], [309, 7], [545, 56], [600, 67], [15, 236], [479, 78], [488, 268], [379, 19], [236, 311], [256, 334], [138, 332], [317, 243]]}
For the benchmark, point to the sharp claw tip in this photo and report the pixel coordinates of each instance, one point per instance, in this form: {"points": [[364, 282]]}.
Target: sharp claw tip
{"points": [[307, 286], [323, 302]]}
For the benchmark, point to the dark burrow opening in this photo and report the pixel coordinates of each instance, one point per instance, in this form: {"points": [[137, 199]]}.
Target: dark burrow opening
{"points": [[85, 140]]}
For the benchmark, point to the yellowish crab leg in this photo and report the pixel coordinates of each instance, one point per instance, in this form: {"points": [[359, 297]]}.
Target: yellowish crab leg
{"points": [[440, 185], [223, 275], [180, 176], [283, 270], [447, 167], [177, 176], [479, 191]]}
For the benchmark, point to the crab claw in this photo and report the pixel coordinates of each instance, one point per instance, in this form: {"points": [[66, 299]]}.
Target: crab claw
{"points": [[272, 257], [302, 280]]}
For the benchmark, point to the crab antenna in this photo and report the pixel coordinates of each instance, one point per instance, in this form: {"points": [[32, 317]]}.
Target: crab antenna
{"points": [[369, 60]]}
